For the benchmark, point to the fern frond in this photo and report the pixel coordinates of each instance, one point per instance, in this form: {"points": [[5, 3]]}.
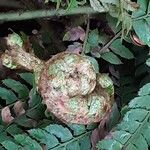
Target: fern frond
{"points": [[52, 137], [133, 131]]}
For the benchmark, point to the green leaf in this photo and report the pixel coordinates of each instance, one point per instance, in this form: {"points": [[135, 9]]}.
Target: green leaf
{"points": [[77, 129], [37, 112], [128, 126], [27, 142], [145, 90], [7, 95], [109, 145], [59, 131], [135, 115], [142, 9], [146, 131], [121, 136], [111, 57], [140, 102], [94, 63], [9, 145], [17, 87], [112, 22], [140, 143], [121, 50], [148, 62], [14, 39], [4, 137], [132, 132], [85, 142], [28, 77], [44, 137], [93, 38], [148, 10], [14, 129], [72, 4], [73, 146], [142, 29], [35, 98]]}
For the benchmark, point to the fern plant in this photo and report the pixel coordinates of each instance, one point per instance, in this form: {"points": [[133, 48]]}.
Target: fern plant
{"points": [[132, 133], [52, 137], [15, 135], [12, 91]]}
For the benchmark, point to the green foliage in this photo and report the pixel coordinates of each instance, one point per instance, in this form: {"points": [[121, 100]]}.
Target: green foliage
{"points": [[15, 91], [117, 9], [121, 50], [132, 132], [111, 49], [15, 86], [111, 57], [52, 137], [142, 21], [7, 95]]}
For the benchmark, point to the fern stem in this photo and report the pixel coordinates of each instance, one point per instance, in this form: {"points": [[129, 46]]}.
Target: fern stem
{"points": [[105, 47], [45, 13], [142, 17], [74, 139]]}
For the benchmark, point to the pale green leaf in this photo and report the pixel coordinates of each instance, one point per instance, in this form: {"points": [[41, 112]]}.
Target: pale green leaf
{"points": [[128, 126], [148, 10], [93, 38], [27, 142], [9, 145], [135, 115], [73, 146], [140, 143], [121, 136], [111, 57], [85, 143], [121, 50], [145, 90], [142, 9], [72, 4], [77, 129], [109, 145], [59, 131], [146, 131], [44, 137], [94, 63], [7, 95], [148, 20], [140, 102], [131, 147]]}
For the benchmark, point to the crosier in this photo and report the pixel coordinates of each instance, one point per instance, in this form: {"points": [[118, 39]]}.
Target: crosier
{"points": [[68, 83]]}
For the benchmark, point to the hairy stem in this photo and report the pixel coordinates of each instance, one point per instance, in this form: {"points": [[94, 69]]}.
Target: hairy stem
{"points": [[18, 58], [45, 13]]}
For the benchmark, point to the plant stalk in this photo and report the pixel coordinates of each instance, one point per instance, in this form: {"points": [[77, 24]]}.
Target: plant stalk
{"points": [[104, 49], [45, 13]]}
